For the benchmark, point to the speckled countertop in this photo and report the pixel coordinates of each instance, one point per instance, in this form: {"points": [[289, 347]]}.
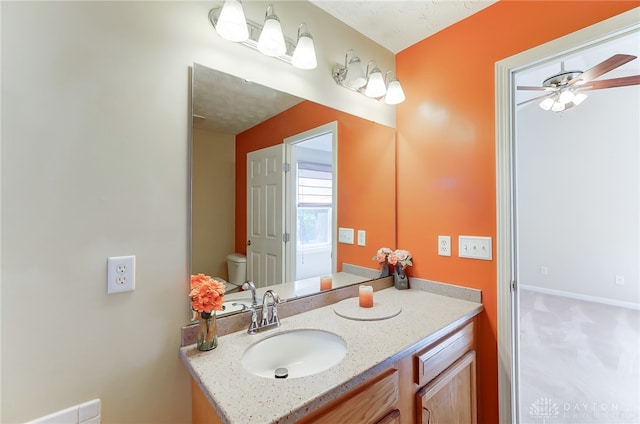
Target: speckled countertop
{"points": [[242, 398]]}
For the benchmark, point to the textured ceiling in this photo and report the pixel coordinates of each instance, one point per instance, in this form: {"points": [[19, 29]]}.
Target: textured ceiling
{"points": [[399, 24], [230, 105]]}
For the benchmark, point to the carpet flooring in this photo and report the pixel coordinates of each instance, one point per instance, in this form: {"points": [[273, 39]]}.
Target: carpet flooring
{"points": [[579, 361]]}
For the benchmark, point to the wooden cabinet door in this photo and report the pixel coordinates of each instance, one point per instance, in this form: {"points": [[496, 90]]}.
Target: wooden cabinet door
{"points": [[451, 397]]}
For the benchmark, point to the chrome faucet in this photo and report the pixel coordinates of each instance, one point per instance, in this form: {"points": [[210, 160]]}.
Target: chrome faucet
{"points": [[266, 322], [248, 285]]}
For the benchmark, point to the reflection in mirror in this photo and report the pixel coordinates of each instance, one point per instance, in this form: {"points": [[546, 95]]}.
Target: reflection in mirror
{"points": [[346, 162]]}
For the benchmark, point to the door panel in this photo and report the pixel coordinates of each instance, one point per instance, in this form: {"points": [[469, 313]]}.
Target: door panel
{"points": [[265, 216]]}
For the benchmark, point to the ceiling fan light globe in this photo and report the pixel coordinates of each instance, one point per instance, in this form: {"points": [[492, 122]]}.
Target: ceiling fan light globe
{"points": [[557, 107], [566, 97], [579, 98], [547, 103]]}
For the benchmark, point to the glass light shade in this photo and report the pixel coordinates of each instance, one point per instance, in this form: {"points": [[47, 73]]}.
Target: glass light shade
{"points": [[355, 74], [579, 98], [566, 97], [232, 25], [271, 41], [557, 107], [547, 103], [395, 93], [375, 85], [304, 56]]}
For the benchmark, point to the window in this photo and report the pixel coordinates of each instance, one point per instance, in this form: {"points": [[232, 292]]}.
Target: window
{"points": [[314, 203]]}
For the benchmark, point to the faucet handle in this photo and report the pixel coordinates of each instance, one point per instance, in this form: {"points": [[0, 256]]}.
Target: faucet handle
{"points": [[254, 321], [274, 315]]}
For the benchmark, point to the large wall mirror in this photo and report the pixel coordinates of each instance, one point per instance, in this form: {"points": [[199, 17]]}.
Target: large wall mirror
{"points": [[344, 168]]}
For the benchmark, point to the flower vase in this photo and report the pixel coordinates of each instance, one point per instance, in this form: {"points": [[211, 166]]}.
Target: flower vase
{"points": [[385, 270], [400, 279], [207, 331]]}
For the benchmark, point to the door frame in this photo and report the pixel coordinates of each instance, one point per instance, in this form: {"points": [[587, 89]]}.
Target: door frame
{"points": [[289, 250], [505, 189]]}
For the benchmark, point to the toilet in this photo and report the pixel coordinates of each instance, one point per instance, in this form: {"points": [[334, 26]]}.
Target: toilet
{"points": [[237, 268]]}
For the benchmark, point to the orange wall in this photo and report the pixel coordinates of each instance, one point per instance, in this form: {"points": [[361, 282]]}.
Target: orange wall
{"points": [[366, 174], [446, 146]]}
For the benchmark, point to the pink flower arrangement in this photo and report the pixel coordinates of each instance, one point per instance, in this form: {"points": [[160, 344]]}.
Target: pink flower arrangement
{"points": [[207, 294], [402, 257], [382, 255], [394, 257]]}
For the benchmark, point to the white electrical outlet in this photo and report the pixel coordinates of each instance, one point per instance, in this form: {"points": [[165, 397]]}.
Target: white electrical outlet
{"points": [[619, 280], [474, 247], [121, 274], [362, 238], [444, 245]]}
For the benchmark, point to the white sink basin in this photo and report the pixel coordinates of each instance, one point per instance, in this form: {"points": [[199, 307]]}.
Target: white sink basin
{"points": [[299, 352]]}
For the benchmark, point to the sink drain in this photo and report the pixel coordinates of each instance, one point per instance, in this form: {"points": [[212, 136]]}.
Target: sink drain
{"points": [[281, 373]]}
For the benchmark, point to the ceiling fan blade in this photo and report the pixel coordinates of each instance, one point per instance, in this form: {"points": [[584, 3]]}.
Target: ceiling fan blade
{"points": [[602, 68], [536, 88], [611, 83], [535, 98]]}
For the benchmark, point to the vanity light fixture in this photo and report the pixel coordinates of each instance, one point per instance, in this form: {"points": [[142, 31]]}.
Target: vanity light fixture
{"points": [[268, 38], [371, 84]]}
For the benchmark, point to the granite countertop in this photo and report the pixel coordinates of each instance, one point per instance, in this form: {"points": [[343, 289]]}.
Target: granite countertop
{"points": [[242, 398]]}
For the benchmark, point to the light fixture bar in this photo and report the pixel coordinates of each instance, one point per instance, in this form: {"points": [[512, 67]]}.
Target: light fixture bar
{"points": [[254, 34]]}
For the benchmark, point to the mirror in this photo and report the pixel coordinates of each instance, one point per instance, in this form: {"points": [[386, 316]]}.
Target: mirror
{"points": [[232, 117]]}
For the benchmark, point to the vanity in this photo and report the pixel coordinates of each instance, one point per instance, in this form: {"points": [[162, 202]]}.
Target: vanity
{"points": [[415, 367]]}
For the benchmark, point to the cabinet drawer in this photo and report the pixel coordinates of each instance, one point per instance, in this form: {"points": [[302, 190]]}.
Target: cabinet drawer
{"points": [[435, 358], [366, 403]]}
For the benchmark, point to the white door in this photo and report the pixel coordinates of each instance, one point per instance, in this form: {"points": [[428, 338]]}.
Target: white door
{"points": [[265, 216]]}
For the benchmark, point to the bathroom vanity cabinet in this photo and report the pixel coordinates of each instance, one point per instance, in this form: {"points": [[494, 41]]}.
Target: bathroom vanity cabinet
{"points": [[417, 367], [435, 383]]}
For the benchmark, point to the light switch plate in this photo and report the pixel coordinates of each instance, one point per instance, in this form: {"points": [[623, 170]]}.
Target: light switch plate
{"points": [[474, 247], [362, 238], [345, 235]]}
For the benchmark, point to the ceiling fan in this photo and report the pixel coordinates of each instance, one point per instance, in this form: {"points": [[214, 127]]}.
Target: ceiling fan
{"points": [[565, 89]]}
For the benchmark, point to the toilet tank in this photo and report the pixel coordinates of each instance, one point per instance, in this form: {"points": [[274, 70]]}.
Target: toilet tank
{"points": [[237, 268]]}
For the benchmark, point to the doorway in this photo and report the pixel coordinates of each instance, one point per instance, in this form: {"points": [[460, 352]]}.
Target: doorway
{"points": [[311, 193], [520, 256]]}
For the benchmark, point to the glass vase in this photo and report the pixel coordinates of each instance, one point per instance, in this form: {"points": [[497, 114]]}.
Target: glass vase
{"points": [[207, 331], [400, 279], [385, 270]]}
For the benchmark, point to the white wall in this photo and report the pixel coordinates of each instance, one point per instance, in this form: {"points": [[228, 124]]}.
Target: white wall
{"points": [[213, 212], [95, 164], [579, 197]]}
